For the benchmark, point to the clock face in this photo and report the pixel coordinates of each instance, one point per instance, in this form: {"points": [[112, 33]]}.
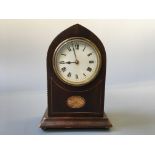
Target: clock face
{"points": [[76, 61]]}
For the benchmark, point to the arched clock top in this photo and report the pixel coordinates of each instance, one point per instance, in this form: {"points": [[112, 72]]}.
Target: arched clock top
{"points": [[95, 63]]}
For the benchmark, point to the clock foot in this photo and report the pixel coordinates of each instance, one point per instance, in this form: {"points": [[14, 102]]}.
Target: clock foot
{"points": [[74, 122]]}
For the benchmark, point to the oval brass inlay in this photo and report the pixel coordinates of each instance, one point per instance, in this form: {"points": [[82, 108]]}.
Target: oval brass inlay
{"points": [[75, 102]]}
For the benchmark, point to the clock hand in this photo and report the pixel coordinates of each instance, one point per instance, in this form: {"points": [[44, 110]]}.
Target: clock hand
{"points": [[76, 61], [68, 62]]}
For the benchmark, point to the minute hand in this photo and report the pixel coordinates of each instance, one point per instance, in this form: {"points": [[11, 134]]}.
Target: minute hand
{"points": [[74, 53]]}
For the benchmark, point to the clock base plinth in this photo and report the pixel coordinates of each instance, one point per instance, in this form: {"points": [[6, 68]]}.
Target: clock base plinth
{"points": [[74, 122]]}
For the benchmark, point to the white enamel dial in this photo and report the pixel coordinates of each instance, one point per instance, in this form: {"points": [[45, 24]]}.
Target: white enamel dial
{"points": [[77, 61]]}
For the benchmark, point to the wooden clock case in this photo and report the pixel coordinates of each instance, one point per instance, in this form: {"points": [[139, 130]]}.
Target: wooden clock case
{"points": [[58, 114]]}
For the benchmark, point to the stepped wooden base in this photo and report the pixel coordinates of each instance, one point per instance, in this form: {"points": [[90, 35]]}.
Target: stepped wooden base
{"points": [[74, 122]]}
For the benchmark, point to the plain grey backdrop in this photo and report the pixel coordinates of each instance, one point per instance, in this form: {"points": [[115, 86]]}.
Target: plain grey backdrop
{"points": [[130, 80]]}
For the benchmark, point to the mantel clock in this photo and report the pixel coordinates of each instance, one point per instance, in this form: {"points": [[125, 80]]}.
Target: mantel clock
{"points": [[76, 70]]}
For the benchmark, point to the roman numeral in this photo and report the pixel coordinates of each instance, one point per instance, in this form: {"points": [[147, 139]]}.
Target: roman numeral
{"points": [[76, 76], [69, 74], [89, 54], [91, 61], [89, 69], [62, 62], [68, 47], [63, 54], [84, 48], [77, 46], [84, 74], [63, 69]]}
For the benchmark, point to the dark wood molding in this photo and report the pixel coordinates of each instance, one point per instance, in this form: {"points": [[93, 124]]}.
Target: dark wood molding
{"points": [[74, 122]]}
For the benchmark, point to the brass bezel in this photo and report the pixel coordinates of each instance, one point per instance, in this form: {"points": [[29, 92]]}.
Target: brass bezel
{"points": [[99, 60]]}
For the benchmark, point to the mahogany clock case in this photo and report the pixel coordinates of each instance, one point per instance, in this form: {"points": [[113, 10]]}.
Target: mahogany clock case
{"points": [[58, 114]]}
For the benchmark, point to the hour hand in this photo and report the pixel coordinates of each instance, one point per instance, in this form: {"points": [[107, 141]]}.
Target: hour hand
{"points": [[75, 62], [68, 62]]}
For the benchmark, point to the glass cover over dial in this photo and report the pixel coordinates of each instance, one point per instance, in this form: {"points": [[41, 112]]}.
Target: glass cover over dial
{"points": [[76, 61]]}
